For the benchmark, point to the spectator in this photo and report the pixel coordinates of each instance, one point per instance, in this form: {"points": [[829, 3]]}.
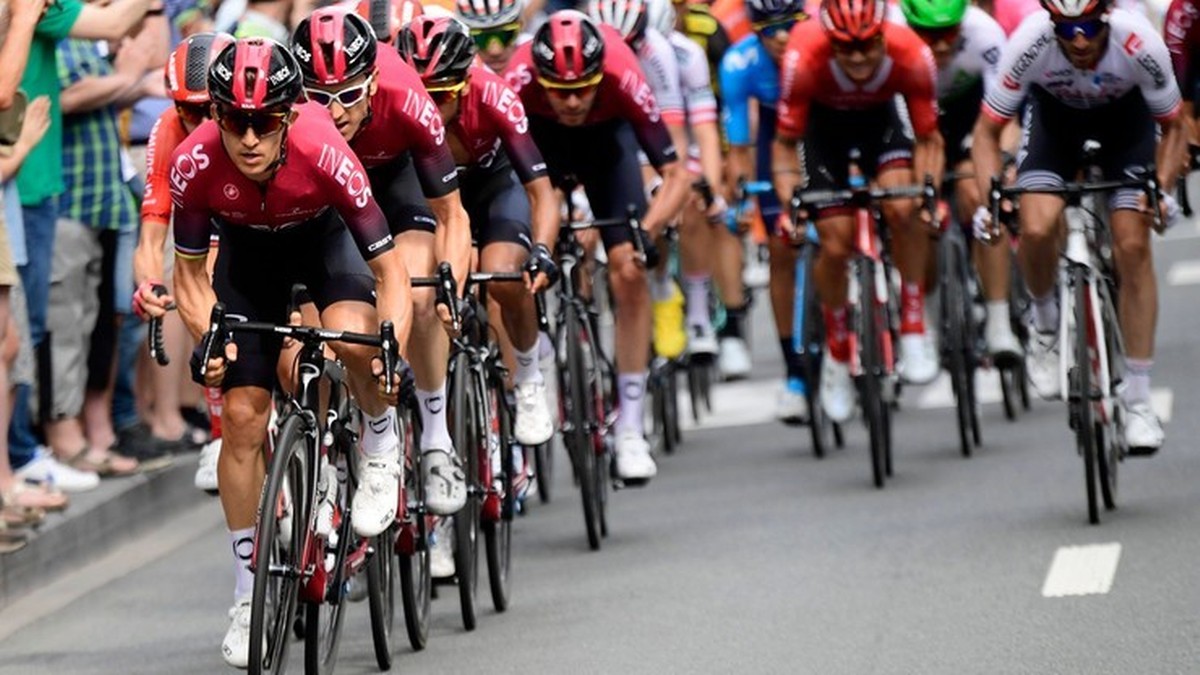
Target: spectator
{"points": [[40, 183]]}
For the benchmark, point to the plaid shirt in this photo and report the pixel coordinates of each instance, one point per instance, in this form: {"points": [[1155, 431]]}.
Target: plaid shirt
{"points": [[96, 193]]}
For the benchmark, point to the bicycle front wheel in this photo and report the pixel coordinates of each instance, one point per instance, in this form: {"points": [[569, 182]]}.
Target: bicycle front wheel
{"points": [[416, 580], [279, 548], [955, 338], [466, 408], [1081, 389], [497, 532], [383, 578], [870, 337], [578, 437], [810, 347]]}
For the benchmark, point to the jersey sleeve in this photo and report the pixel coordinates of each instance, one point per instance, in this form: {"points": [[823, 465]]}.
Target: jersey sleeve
{"points": [[991, 38], [657, 59], [696, 80], [1178, 26], [192, 216], [512, 126], [796, 82], [735, 98], [156, 199], [432, 159], [1020, 60], [920, 89], [638, 107], [1153, 67]]}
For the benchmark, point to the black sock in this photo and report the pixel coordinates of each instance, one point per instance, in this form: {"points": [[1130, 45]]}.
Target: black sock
{"points": [[732, 327], [791, 358]]}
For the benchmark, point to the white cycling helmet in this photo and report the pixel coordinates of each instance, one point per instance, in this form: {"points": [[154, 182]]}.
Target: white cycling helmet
{"points": [[489, 13], [660, 15], [1073, 9], [627, 16]]}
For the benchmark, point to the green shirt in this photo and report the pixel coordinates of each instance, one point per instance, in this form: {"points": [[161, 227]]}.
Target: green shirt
{"points": [[41, 174]]}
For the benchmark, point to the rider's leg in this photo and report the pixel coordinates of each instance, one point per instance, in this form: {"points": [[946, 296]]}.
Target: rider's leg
{"points": [[735, 356], [992, 262], [1138, 304], [696, 242], [831, 276]]}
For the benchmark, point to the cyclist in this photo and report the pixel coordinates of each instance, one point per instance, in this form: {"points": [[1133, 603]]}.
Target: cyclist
{"points": [[497, 28], [387, 17], [657, 59], [696, 21], [840, 82], [1181, 30], [966, 45], [292, 203], [1088, 71], [750, 70], [589, 109], [381, 109], [186, 80]]}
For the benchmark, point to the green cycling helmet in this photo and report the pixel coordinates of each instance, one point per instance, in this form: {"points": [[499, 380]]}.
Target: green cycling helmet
{"points": [[933, 13]]}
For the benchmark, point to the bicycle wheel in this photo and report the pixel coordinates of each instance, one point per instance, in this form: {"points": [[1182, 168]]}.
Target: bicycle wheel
{"points": [[1081, 389], [323, 620], [871, 360], [466, 409], [954, 337], [543, 469], [416, 580], [1111, 449], [578, 434], [673, 425], [279, 547], [811, 341], [497, 532], [383, 578], [1009, 392]]}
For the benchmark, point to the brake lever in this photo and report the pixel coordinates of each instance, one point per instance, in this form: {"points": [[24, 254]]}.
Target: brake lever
{"points": [[215, 335], [390, 352]]}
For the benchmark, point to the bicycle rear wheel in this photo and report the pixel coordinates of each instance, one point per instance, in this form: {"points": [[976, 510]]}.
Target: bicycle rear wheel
{"points": [[466, 410], [870, 324], [279, 548], [497, 532], [578, 436], [416, 579], [1081, 389]]}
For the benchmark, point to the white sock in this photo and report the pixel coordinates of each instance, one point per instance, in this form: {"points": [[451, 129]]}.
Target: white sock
{"points": [[631, 388], [997, 316], [545, 346], [696, 288], [1137, 381], [660, 286], [379, 433], [435, 435], [1045, 313], [527, 365], [242, 544]]}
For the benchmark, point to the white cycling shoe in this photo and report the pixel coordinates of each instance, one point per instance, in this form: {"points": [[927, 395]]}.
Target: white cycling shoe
{"points": [[918, 358], [838, 397], [441, 551], [734, 359], [206, 468], [236, 645], [533, 425], [445, 482], [1042, 365], [634, 462], [702, 340], [1143, 430], [374, 506]]}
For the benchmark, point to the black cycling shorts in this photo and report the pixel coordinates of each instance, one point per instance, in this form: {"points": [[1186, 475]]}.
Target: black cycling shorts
{"points": [[398, 192], [1052, 137], [882, 135], [603, 158], [497, 204], [956, 121], [254, 275]]}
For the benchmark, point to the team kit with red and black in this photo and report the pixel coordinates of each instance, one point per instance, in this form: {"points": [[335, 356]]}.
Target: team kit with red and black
{"points": [[385, 140]]}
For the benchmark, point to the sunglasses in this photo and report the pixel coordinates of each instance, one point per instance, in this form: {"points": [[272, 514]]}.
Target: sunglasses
{"points": [[857, 46], [263, 123], [769, 29], [444, 93], [192, 114], [1088, 28], [931, 36], [505, 35], [565, 89], [345, 97]]}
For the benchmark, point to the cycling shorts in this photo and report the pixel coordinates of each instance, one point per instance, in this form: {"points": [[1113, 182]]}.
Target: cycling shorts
{"points": [[882, 135], [603, 158], [497, 205], [398, 191], [956, 121], [254, 275], [1052, 136]]}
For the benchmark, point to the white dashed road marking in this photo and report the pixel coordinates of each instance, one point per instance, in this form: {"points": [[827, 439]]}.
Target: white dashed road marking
{"points": [[1082, 570], [1184, 273]]}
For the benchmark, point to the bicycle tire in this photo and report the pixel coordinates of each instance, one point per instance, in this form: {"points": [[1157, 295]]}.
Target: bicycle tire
{"points": [[673, 424], [497, 535], [811, 351], [1009, 392], [656, 391], [954, 337], [1111, 450], [1081, 395], [543, 470], [695, 388], [579, 442], [271, 627], [871, 360], [383, 578], [416, 579], [466, 410]]}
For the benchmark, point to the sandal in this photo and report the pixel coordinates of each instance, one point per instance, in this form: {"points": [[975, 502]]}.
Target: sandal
{"points": [[11, 540], [110, 465], [27, 495]]}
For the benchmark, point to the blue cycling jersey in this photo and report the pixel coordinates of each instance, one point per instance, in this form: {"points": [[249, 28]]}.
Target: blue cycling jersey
{"points": [[747, 71]]}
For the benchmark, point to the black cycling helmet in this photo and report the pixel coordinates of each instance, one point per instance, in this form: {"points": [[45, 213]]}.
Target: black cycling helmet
{"points": [[440, 49]]}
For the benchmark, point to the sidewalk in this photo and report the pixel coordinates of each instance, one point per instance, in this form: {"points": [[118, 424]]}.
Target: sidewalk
{"points": [[97, 522]]}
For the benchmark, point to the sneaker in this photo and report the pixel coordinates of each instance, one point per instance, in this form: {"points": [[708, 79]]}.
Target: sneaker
{"points": [[206, 468], [918, 358], [1043, 365], [236, 645], [445, 482], [791, 407], [702, 340], [44, 468], [734, 359], [669, 337], [1002, 345], [1143, 430], [533, 425], [634, 462], [374, 506], [441, 550], [152, 454], [837, 389]]}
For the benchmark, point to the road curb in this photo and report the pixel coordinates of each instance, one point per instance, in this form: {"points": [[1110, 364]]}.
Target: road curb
{"points": [[96, 523]]}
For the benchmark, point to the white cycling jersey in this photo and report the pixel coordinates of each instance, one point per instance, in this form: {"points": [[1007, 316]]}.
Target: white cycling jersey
{"points": [[699, 101], [1135, 57], [657, 59], [980, 42]]}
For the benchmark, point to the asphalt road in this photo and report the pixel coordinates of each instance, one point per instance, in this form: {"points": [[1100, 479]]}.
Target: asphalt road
{"points": [[747, 555]]}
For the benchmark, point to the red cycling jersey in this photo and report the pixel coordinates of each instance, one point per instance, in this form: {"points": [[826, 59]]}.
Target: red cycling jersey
{"points": [[404, 118], [319, 171], [623, 94], [1181, 30], [809, 73], [491, 116], [167, 134]]}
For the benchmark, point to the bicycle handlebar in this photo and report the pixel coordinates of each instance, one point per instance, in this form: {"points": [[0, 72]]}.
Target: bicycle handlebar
{"points": [[1147, 181], [157, 351]]}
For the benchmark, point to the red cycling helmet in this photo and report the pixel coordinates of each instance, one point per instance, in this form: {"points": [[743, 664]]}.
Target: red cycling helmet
{"points": [[333, 45], [186, 72], [853, 20], [387, 17], [439, 49], [255, 74], [568, 48]]}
